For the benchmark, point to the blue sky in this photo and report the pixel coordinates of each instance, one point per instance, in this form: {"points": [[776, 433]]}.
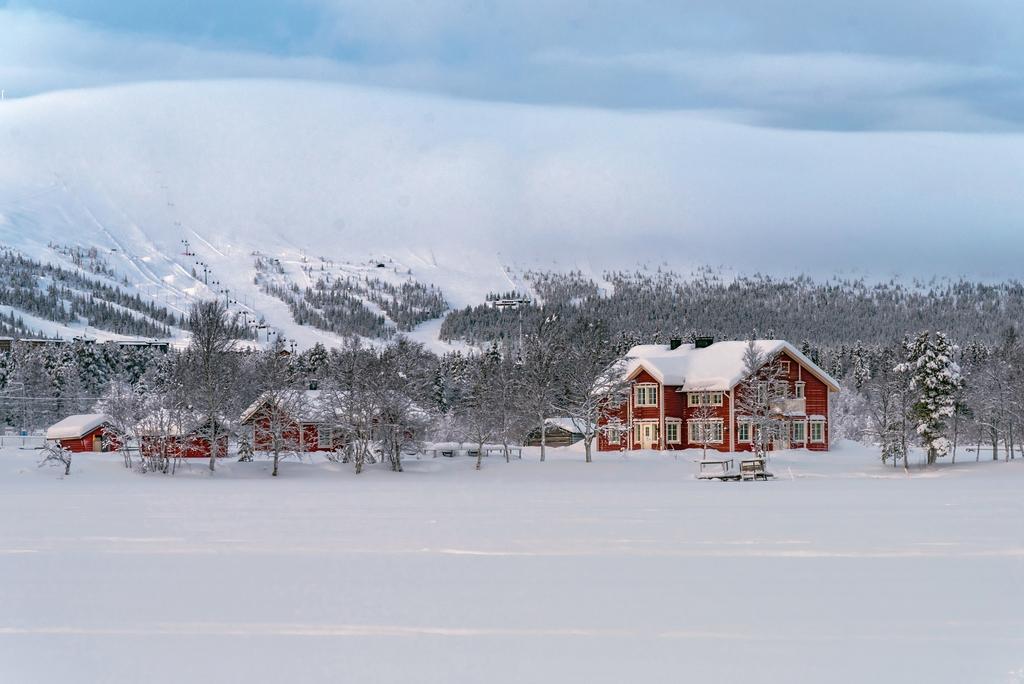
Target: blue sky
{"points": [[950, 65]]}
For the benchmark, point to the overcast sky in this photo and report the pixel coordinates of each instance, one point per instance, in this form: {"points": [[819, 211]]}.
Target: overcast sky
{"points": [[953, 65]]}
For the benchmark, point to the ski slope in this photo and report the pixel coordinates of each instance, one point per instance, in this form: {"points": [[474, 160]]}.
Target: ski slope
{"points": [[627, 569], [465, 195]]}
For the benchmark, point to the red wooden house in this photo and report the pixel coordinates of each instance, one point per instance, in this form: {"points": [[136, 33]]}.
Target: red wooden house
{"points": [[84, 432], [301, 420], [683, 394]]}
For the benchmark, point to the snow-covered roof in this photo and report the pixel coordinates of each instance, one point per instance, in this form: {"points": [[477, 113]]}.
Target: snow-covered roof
{"points": [[77, 426], [718, 367], [307, 406], [568, 424]]}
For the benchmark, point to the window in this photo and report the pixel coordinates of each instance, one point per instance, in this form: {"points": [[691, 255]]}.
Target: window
{"points": [[323, 437], [612, 435], [798, 391], [701, 431], [785, 367], [799, 431], [704, 398], [645, 395], [818, 431], [762, 393], [743, 431], [672, 431]]}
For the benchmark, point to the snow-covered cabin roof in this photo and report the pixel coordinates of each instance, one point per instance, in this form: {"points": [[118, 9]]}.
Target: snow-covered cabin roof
{"points": [[568, 424], [77, 426], [718, 367], [309, 406]]}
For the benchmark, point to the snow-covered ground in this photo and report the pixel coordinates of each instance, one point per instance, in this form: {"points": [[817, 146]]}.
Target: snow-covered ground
{"points": [[624, 570]]}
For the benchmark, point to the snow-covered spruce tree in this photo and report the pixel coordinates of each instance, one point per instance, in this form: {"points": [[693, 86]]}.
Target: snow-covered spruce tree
{"points": [[593, 379], [935, 378], [210, 368]]}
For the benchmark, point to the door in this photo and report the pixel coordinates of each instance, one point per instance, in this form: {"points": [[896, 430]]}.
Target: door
{"points": [[649, 436], [97, 443]]}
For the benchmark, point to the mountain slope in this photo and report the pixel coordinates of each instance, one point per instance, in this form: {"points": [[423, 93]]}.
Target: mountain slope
{"points": [[451, 193]]}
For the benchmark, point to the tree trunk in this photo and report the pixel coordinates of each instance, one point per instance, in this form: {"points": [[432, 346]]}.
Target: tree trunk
{"points": [[543, 437], [956, 433], [586, 447], [479, 455]]}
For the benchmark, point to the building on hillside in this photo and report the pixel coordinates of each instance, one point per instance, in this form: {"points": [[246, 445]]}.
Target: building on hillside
{"points": [[681, 394], [187, 437], [559, 432], [84, 432], [302, 420]]}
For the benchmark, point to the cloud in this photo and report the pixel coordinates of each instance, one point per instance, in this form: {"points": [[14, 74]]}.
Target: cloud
{"points": [[872, 65]]}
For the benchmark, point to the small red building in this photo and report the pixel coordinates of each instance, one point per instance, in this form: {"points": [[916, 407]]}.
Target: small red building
{"points": [[85, 432], [299, 420], [683, 394], [181, 439]]}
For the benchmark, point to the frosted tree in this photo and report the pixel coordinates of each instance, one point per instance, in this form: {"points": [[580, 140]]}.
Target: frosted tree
{"points": [[53, 454], [127, 407], [935, 378], [542, 353], [351, 375], [761, 397], [593, 378], [888, 399], [703, 415], [399, 393], [281, 399], [477, 412]]}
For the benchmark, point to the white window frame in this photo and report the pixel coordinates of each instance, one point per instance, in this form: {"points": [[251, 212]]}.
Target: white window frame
{"points": [[694, 423], [321, 432], [818, 425], [612, 435], [713, 398], [800, 390], [785, 366], [649, 390], [740, 425], [803, 430], [669, 425]]}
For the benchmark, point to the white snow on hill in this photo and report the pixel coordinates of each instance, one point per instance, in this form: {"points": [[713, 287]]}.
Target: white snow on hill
{"points": [[455, 192], [624, 570]]}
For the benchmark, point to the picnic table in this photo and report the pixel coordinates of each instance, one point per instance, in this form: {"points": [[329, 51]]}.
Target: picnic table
{"points": [[717, 469]]}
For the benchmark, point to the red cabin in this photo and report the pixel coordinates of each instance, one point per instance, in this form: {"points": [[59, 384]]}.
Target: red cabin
{"points": [[682, 395], [85, 432], [181, 439], [299, 420]]}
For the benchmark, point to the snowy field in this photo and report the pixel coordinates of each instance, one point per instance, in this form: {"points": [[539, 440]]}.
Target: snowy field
{"points": [[625, 570]]}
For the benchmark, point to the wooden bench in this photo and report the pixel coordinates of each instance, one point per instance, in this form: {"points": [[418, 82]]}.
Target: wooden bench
{"points": [[753, 469]]}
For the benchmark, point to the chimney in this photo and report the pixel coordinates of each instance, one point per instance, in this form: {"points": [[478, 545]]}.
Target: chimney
{"points": [[675, 343], [703, 342]]}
